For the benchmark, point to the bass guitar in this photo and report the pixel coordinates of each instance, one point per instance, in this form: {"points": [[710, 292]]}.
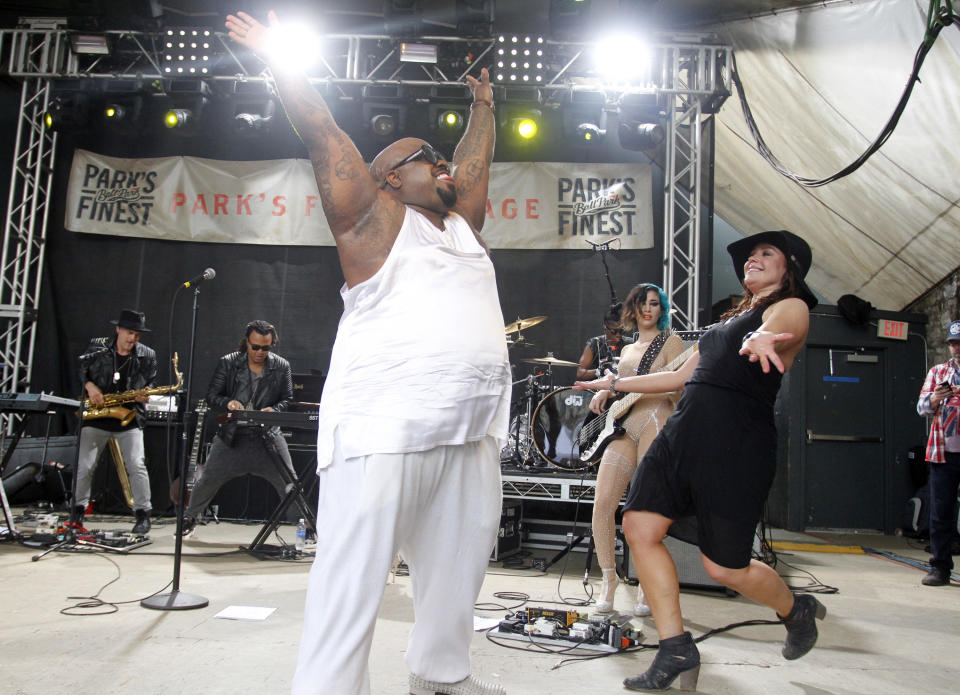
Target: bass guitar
{"points": [[194, 469], [598, 431]]}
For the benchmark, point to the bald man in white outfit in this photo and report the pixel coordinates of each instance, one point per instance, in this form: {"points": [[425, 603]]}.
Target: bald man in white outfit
{"points": [[412, 419]]}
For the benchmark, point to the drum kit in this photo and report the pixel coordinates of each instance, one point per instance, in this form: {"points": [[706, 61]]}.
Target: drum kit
{"points": [[544, 420]]}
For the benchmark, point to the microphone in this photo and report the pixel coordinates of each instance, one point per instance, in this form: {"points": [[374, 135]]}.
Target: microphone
{"points": [[208, 274]]}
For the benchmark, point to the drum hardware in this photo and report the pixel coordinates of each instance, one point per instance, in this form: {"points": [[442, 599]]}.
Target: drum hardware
{"points": [[550, 361], [518, 325], [519, 450], [556, 427]]}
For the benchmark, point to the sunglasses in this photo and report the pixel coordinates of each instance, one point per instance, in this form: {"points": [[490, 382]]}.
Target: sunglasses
{"points": [[426, 152], [258, 348], [613, 330]]}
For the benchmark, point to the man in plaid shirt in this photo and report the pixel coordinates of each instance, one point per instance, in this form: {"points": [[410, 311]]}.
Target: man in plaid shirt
{"points": [[940, 398]]}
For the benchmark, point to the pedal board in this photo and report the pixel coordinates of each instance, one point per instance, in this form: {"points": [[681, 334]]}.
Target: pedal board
{"points": [[570, 629]]}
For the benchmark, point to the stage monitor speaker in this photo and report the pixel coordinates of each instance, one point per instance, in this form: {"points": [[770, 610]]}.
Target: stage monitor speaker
{"points": [[40, 470], [690, 570]]}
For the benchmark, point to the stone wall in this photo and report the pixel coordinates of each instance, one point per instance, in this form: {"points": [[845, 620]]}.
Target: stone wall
{"points": [[941, 304]]}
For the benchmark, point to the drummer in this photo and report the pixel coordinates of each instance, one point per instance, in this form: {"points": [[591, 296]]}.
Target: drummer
{"points": [[602, 352]]}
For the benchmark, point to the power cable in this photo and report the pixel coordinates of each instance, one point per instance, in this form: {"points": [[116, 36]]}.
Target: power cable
{"points": [[939, 17]]}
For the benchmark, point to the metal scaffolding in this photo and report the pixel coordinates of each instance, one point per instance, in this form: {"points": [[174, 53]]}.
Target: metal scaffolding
{"points": [[692, 76], [46, 54]]}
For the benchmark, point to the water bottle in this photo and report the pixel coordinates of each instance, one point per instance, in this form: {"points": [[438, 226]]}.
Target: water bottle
{"points": [[301, 536]]}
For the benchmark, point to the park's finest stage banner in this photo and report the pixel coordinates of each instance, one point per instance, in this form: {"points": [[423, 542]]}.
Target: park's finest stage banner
{"points": [[530, 206]]}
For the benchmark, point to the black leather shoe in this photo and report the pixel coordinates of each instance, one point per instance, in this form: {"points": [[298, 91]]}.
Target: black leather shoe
{"points": [[189, 526], [937, 576], [801, 626], [142, 527], [677, 660]]}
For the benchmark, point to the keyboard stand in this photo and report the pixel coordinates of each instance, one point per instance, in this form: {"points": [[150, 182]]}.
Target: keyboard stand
{"points": [[295, 495]]}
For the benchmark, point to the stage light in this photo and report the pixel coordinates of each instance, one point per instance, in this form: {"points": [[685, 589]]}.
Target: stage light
{"points": [[253, 118], [67, 110], [89, 44], [584, 116], [383, 124], [640, 136], [641, 115], [622, 59], [293, 46], [178, 118], [418, 53], [525, 127], [186, 52], [520, 59], [114, 112], [590, 133], [451, 119]]}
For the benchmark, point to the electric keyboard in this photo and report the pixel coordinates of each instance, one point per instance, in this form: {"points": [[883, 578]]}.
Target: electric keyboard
{"points": [[35, 402]]}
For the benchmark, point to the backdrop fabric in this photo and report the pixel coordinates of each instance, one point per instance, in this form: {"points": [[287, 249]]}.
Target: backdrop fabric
{"points": [[531, 205]]}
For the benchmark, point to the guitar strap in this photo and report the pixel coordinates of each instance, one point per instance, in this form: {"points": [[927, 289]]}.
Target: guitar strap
{"points": [[650, 354]]}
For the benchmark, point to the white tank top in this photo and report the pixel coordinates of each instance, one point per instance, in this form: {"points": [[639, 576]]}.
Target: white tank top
{"points": [[420, 359]]}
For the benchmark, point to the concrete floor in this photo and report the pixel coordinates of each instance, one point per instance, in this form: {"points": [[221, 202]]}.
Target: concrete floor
{"points": [[885, 633]]}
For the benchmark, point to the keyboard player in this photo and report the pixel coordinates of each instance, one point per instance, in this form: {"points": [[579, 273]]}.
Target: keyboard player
{"points": [[253, 377]]}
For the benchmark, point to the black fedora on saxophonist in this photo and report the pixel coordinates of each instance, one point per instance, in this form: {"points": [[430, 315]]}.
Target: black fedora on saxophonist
{"points": [[134, 320], [794, 248]]}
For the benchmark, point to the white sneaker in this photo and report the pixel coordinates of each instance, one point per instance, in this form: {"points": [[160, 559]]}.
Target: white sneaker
{"points": [[468, 686]]}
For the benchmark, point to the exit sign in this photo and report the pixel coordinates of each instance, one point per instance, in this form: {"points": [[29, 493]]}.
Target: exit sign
{"points": [[897, 330]]}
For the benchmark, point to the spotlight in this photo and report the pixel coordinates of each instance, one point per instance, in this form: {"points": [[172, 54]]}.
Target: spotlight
{"points": [[640, 117], [525, 127], [178, 118], [451, 119], [383, 124], [114, 112], [474, 17], [590, 133], [622, 59], [249, 120], [293, 46], [66, 111], [640, 136]]}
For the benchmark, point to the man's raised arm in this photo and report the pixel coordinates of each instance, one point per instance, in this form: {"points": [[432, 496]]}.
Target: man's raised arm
{"points": [[347, 191], [475, 153]]}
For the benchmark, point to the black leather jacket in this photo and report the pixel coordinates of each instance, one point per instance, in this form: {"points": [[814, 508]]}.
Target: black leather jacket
{"points": [[275, 389], [97, 365]]}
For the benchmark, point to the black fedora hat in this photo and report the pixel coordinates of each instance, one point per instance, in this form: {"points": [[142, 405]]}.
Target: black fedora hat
{"points": [[131, 319], [794, 248]]}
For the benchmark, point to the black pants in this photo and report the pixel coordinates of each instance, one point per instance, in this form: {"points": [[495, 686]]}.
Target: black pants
{"points": [[944, 482]]}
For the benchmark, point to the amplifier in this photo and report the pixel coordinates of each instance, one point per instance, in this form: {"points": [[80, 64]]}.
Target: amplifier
{"points": [[509, 541]]}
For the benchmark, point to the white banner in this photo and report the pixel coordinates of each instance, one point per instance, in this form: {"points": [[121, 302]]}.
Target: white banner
{"points": [[530, 205]]}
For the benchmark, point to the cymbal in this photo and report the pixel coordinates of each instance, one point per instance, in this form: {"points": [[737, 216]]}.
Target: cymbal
{"points": [[551, 360], [521, 324]]}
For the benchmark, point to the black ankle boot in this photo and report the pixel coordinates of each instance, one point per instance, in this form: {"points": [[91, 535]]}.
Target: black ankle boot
{"points": [[801, 626], [76, 515], [142, 527], [678, 659]]}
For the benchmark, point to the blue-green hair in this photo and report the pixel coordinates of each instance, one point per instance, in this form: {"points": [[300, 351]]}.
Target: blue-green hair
{"points": [[636, 297]]}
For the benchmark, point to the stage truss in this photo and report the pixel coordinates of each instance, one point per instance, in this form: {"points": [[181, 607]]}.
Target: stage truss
{"points": [[691, 73]]}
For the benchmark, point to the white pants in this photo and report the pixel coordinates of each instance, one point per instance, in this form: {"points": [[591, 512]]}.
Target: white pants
{"points": [[441, 510], [93, 440]]}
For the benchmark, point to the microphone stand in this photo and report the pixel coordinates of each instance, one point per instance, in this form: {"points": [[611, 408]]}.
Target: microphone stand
{"points": [[177, 600], [602, 250]]}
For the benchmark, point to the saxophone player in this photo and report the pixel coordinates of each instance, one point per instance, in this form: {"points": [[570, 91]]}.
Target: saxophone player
{"points": [[112, 365]]}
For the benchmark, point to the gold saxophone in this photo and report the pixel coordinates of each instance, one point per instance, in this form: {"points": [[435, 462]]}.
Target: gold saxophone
{"points": [[112, 401]]}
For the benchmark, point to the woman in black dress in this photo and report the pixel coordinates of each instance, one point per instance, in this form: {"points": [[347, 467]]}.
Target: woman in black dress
{"points": [[716, 456]]}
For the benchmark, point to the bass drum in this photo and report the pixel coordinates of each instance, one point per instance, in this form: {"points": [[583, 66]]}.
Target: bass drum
{"points": [[556, 427]]}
